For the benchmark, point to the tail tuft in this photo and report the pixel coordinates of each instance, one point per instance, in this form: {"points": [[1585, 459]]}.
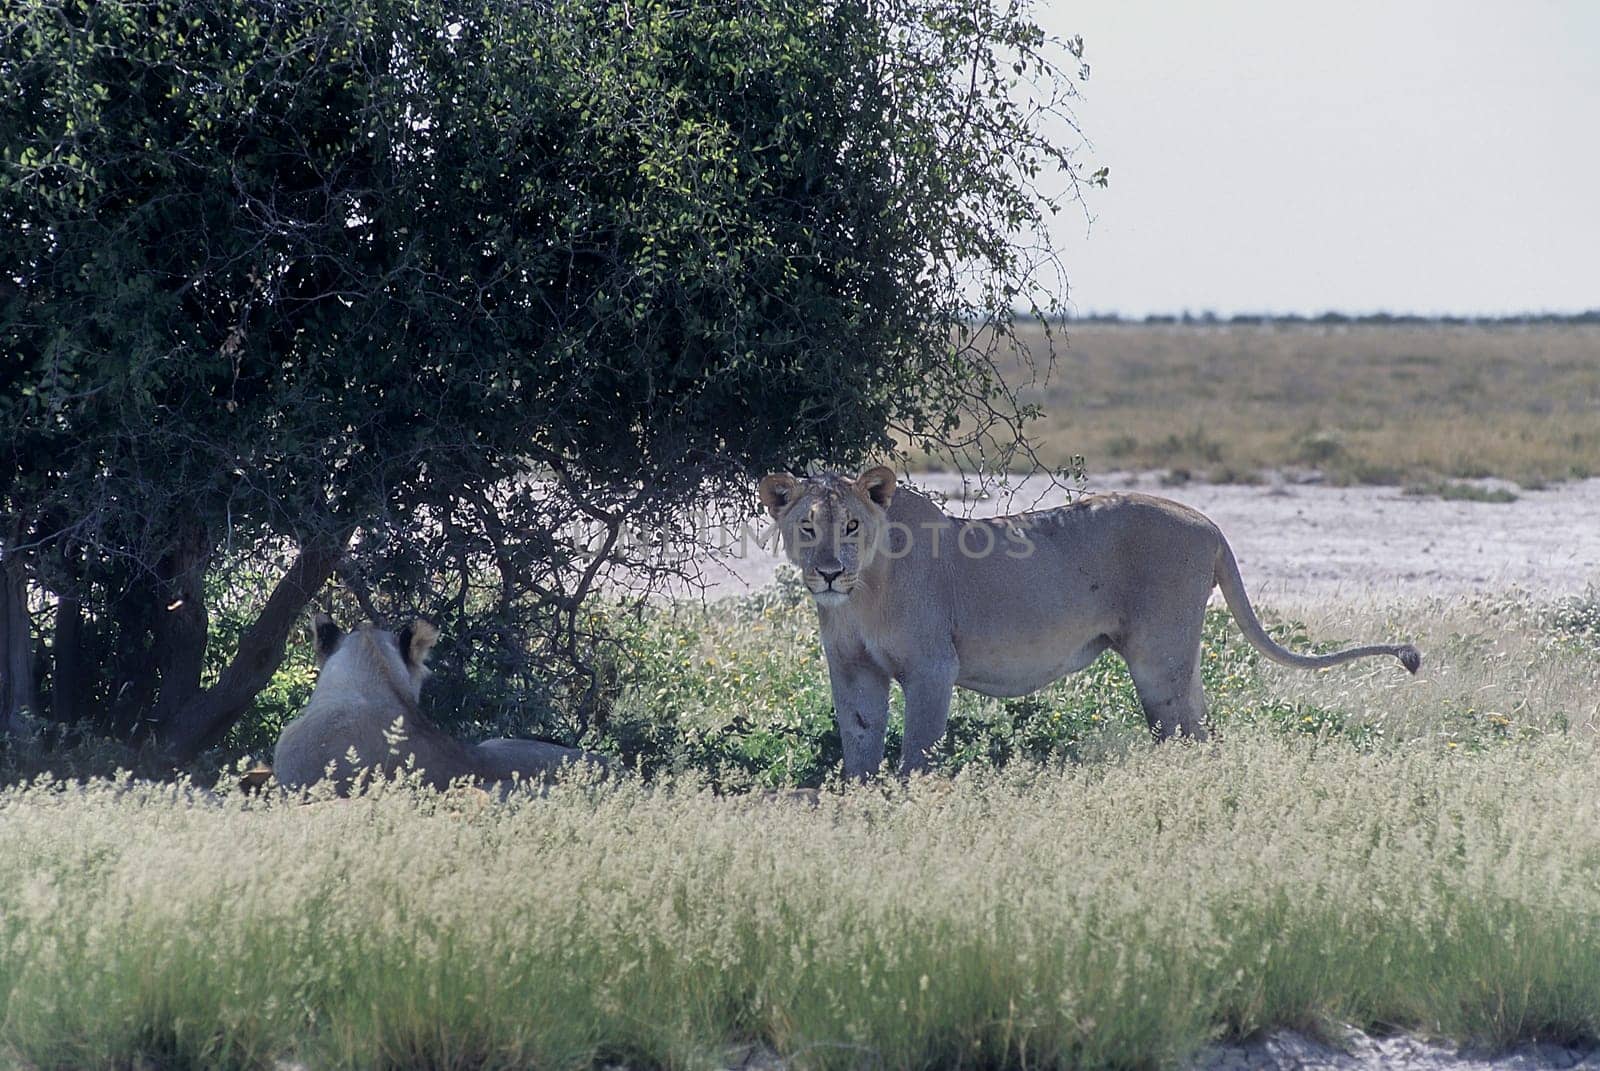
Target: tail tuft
{"points": [[1409, 657]]}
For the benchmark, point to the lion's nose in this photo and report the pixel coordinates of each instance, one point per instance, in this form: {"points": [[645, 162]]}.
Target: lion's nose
{"points": [[829, 576]]}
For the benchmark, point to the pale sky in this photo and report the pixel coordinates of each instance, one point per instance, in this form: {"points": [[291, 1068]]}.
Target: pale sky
{"points": [[1288, 156]]}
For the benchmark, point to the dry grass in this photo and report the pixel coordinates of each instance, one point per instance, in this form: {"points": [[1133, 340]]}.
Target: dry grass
{"points": [[1496, 668], [1118, 911], [1118, 914], [1362, 403]]}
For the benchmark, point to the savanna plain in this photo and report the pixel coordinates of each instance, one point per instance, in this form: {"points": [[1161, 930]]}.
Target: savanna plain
{"points": [[1355, 847], [1416, 404]]}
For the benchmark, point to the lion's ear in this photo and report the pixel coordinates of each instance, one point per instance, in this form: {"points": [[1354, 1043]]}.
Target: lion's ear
{"points": [[325, 637], [777, 492], [416, 640], [877, 484]]}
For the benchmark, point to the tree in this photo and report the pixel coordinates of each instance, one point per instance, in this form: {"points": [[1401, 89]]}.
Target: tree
{"points": [[453, 297]]}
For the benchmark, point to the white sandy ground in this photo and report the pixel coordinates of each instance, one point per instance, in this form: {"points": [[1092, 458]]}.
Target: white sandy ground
{"points": [[1358, 1052], [1286, 1050], [1304, 543]]}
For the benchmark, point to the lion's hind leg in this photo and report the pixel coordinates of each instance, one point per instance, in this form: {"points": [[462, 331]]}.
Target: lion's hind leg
{"points": [[1174, 703], [1166, 674]]}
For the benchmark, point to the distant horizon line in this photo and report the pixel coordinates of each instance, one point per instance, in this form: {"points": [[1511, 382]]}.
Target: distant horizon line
{"points": [[1210, 316]]}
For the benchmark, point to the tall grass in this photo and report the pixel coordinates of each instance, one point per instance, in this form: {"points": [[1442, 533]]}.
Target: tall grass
{"points": [[1497, 667], [1115, 914], [1359, 846]]}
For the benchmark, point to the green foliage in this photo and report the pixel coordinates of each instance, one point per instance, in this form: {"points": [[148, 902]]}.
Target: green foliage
{"points": [[1454, 491], [738, 693], [234, 596]]}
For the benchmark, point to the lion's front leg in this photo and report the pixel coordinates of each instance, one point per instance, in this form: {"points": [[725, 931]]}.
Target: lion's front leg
{"points": [[928, 690], [861, 707]]}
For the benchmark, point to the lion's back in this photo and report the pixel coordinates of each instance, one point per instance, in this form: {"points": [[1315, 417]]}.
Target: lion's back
{"points": [[324, 735]]}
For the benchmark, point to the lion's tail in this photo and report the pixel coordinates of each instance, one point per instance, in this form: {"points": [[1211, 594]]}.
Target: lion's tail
{"points": [[1232, 585]]}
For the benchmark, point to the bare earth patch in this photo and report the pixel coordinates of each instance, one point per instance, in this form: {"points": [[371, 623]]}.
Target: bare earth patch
{"points": [[1310, 542], [1287, 1049]]}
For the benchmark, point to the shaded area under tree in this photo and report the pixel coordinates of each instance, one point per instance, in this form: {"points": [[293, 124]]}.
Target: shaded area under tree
{"points": [[448, 299]]}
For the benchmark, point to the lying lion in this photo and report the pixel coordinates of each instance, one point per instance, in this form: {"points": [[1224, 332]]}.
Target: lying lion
{"points": [[1007, 605], [365, 703]]}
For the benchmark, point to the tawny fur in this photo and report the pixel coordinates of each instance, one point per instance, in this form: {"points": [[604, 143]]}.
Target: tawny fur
{"points": [[366, 703], [1006, 605]]}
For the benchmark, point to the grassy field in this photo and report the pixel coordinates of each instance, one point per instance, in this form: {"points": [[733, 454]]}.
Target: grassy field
{"points": [[1116, 914], [1362, 403], [1359, 846]]}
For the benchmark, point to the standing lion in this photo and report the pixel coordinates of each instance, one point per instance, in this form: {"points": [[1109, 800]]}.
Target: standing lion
{"points": [[1006, 605]]}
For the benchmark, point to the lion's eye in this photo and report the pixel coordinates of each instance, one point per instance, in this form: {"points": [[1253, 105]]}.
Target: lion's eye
{"points": [[850, 528], [807, 531]]}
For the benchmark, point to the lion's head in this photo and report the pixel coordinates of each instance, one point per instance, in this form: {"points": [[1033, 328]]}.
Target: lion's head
{"points": [[367, 653], [832, 526]]}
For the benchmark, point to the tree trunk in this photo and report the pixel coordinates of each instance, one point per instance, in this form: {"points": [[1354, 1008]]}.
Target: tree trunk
{"points": [[134, 675], [17, 686], [69, 682], [203, 720], [181, 624]]}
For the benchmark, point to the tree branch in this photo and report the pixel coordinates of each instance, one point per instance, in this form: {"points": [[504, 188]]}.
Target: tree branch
{"points": [[200, 723]]}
